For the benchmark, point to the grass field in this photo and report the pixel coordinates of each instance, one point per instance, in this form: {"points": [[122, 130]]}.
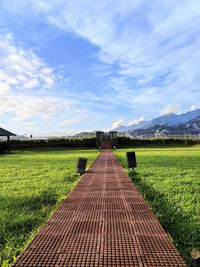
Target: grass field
{"points": [[169, 179], [32, 184]]}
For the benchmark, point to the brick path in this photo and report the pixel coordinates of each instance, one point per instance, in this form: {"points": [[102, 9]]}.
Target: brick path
{"points": [[104, 222]]}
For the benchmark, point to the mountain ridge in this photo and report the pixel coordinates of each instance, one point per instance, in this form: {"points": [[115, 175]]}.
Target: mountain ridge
{"points": [[170, 119]]}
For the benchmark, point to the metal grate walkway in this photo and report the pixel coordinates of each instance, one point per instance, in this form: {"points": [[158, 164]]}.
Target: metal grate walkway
{"points": [[103, 222]]}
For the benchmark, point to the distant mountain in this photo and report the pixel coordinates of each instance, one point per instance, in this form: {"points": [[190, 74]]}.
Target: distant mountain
{"points": [[142, 124], [195, 121], [169, 119], [174, 119], [190, 127]]}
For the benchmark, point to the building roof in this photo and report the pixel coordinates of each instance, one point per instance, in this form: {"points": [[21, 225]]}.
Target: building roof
{"points": [[4, 132]]}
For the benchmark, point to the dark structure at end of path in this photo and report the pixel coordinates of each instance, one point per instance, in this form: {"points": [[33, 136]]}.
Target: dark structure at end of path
{"points": [[106, 140]]}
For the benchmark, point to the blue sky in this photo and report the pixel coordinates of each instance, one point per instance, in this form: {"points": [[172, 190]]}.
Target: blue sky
{"points": [[70, 65]]}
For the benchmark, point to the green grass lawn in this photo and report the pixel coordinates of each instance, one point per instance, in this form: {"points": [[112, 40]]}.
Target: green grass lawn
{"points": [[32, 184], [169, 179]]}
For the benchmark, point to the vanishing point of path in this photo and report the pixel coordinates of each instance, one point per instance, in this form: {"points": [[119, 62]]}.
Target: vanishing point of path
{"points": [[103, 222]]}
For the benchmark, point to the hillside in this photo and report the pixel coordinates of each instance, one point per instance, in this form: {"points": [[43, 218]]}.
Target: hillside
{"points": [[169, 120], [190, 127]]}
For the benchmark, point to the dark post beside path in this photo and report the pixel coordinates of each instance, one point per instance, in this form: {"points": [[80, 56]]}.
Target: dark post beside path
{"points": [[104, 222]]}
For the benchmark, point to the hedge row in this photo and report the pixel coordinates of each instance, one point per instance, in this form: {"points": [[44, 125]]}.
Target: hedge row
{"points": [[53, 142], [128, 142], [91, 142]]}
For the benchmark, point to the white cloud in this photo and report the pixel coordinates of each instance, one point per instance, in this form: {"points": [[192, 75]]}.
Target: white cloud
{"points": [[23, 107], [193, 107], [31, 84], [151, 42], [4, 88], [20, 72], [171, 108], [136, 121], [72, 121], [22, 69], [119, 122]]}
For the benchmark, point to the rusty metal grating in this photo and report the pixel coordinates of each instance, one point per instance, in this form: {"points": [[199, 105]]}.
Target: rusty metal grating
{"points": [[103, 222], [155, 245], [162, 260], [149, 228], [142, 215]]}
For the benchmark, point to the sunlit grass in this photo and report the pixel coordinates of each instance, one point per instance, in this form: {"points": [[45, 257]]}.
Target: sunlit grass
{"points": [[32, 184], [169, 179]]}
